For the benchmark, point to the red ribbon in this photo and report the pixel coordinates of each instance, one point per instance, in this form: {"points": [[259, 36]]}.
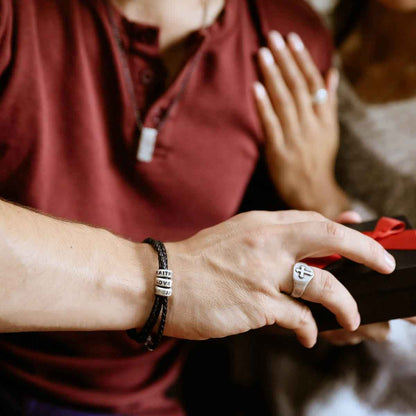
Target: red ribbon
{"points": [[389, 232]]}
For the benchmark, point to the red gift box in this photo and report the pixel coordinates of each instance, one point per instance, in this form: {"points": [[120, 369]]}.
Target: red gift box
{"points": [[379, 297]]}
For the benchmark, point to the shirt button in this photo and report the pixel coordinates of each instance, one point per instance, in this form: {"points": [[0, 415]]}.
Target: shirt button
{"points": [[146, 76]]}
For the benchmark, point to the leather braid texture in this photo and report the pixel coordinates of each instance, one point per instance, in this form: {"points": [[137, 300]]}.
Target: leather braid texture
{"points": [[160, 306]]}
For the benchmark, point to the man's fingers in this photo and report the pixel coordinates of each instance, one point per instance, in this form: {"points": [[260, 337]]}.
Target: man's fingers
{"points": [[296, 216], [270, 122], [325, 289], [317, 239], [270, 218], [293, 315]]}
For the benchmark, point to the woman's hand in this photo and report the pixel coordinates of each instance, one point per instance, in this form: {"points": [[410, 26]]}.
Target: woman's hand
{"points": [[236, 276], [374, 332], [301, 136]]}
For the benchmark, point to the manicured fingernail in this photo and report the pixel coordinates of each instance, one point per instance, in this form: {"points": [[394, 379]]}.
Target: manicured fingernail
{"points": [[390, 261], [277, 40], [295, 41], [259, 89], [357, 321], [267, 56]]}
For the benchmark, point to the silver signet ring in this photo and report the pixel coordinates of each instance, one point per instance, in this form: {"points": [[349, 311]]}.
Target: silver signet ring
{"points": [[302, 275]]}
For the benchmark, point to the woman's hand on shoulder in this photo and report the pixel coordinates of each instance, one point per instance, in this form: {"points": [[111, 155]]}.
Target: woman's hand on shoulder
{"points": [[302, 135]]}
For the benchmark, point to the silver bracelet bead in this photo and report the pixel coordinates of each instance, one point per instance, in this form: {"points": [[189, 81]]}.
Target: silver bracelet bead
{"points": [[161, 282], [161, 291]]}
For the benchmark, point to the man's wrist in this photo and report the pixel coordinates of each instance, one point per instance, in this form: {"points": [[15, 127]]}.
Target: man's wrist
{"points": [[129, 283]]}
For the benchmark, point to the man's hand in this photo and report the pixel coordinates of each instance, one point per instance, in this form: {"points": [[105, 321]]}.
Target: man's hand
{"points": [[237, 276], [378, 332], [230, 278]]}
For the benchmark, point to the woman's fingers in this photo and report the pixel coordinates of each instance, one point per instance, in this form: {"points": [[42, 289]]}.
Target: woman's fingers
{"points": [[305, 63], [319, 239], [349, 217], [325, 289], [331, 84], [279, 94], [341, 337], [309, 72], [293, 315], [378, 332], [270, 122], [412, 320], [291, 78], [292, 75], [313, 77]]}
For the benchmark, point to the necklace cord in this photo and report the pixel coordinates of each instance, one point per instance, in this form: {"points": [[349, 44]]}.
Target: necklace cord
{"points": [[129, 80]]}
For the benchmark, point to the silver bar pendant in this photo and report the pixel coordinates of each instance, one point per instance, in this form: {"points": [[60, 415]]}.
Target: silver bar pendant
{"points": [[147, 144]]}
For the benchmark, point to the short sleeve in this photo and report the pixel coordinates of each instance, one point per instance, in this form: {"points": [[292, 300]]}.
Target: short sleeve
{"points": [[5, 33]]}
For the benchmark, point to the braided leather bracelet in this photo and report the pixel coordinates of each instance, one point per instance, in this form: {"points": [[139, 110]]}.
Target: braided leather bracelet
{"points": [[163, 289]]}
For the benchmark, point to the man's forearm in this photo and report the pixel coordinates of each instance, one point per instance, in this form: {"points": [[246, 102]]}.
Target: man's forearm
{"points": [[58, 275]]}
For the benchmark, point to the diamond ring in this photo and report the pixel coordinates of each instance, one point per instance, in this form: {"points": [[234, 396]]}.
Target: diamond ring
{"points": [[320, 96]]}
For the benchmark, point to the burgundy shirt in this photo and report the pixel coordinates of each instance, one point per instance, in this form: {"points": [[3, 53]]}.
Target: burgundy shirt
{"points": [[67, 148]]}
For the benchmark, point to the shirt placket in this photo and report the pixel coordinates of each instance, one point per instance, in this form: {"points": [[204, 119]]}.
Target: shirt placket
{"points": [[149, 75]]}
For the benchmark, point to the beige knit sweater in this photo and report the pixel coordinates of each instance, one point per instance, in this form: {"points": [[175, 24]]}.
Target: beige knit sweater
{"points": [[377, 160]]}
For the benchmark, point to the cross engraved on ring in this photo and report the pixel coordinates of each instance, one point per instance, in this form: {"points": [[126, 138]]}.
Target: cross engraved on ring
{"points": [[303, 272]]}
